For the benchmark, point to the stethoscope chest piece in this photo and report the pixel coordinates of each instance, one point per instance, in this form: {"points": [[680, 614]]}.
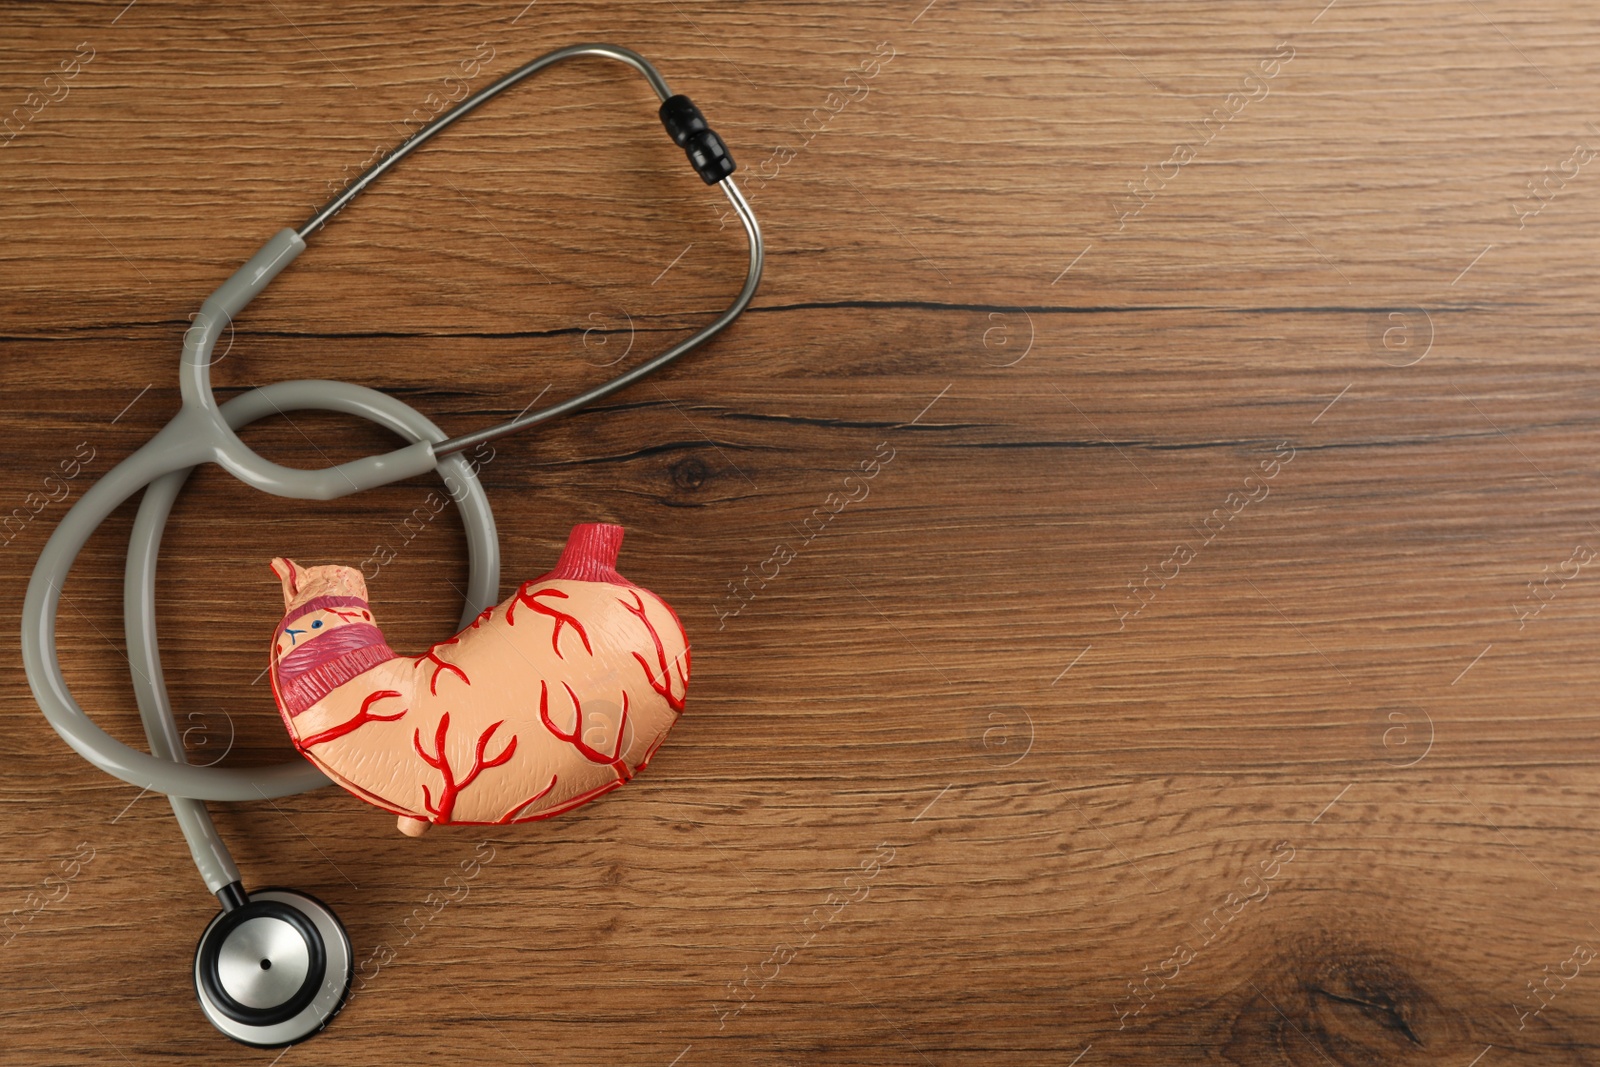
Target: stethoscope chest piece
{"points": [[274, 969]]}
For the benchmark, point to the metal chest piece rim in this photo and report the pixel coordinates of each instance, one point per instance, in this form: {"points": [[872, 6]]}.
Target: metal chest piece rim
{"points": [[273, 970]]}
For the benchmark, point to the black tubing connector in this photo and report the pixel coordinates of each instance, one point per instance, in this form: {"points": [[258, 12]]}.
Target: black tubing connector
{"points": [[233, 896], [687, 127]]}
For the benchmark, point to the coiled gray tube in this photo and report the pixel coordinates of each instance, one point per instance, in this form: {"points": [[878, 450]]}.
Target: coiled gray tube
{"points": [[211, 856], [203, 431]]}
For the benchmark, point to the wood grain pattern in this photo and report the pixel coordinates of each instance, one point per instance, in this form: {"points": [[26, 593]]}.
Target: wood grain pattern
{"points": [[1174, 692]]}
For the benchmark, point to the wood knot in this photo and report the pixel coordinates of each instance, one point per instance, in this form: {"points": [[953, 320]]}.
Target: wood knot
{"points": [[688, 474], [1334, 1000]]}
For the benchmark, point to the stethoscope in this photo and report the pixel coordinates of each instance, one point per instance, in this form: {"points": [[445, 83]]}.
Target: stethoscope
{"points": [[275, 964]]}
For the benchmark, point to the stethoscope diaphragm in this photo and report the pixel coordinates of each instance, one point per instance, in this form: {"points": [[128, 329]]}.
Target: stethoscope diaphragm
{"points": [[273, 970]]}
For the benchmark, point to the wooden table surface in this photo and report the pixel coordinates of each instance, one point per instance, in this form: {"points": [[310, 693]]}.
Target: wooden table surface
{"points": [[1138, 546]]}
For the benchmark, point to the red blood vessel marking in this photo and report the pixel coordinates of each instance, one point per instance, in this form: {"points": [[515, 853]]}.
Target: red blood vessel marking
{"points": [[561, 617], [440, 665], [575, 738], [441, 763], [506, 819], [371, 797], [665, 688], [361, 719], [560, 809]]}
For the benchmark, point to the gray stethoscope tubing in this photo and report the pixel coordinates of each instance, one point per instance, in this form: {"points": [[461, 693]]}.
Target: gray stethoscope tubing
{"points": [[211, 856], [199, 433]]}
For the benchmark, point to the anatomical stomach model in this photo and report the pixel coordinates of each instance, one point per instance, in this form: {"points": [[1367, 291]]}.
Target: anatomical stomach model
{"points": [[546, 701]]}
